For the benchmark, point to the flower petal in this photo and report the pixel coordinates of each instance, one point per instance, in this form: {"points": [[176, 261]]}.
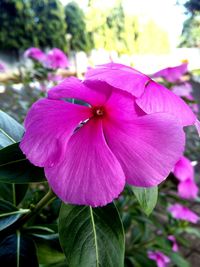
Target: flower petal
{"points": [[172, 74], [147, 148], [119, 76], [184, 169], [188, 189], [49, 125], [181, 212], [90, 173], [157, 98], [122, 106], [88, 92]]}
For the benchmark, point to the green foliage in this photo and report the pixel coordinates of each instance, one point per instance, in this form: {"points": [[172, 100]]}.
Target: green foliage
{"points": [[192, 6], [76, 27], [15, 168], [91, 236], [147, 197], [114, 30], [31, 23], [18, 250], [191, 32], [50, 27]]}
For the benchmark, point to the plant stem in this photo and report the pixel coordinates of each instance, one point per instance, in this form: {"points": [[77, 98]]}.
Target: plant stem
{"points": [[47, 199]]}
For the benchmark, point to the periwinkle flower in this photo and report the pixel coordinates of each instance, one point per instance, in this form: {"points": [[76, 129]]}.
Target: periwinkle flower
{"points": [[55, 59], [181, 212], [172, 74], [89, 151], [160, 258], [35, 53], [184, 172]]}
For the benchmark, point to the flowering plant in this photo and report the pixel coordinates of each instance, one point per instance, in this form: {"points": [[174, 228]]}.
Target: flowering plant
{"points": [[105, 146]]}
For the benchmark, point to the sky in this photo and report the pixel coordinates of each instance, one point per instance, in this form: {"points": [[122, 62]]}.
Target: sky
{"points": [[164, 12]]}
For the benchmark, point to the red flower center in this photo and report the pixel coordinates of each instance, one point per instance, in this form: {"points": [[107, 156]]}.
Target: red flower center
{"points": [[98, 111]]}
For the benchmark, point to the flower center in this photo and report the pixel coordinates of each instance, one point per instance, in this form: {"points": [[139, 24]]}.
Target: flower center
{"points": [[98, 111]]}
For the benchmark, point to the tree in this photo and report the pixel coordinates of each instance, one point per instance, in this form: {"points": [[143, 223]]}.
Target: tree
{"points": [[191, 27], [31, 23], [17, 25], [50, 26], [76, 27], [192, 6]]}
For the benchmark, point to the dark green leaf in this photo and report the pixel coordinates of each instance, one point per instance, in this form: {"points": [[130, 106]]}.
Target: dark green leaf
{"points": [[147, 198], [178, 260], [91, 236], [48, 246], [13, 192], [9, 214], [18, 251], [15, 168], [10, 130]]}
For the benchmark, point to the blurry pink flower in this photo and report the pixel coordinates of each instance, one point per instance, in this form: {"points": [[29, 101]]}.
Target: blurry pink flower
{"points": [[160, 258], [184, 172], [188, 189], [175, 247], [172, 74], [180, 212], [35, 53], [183, 169], [2, 67], [183, 90], [88, 152], [54, 77], [56, 59]]}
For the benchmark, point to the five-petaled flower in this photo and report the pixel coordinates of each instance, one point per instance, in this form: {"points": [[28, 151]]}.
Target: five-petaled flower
{"points": [[130, 130]]}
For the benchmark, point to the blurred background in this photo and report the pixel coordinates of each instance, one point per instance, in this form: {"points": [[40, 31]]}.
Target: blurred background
{"points": [[148, 35]]}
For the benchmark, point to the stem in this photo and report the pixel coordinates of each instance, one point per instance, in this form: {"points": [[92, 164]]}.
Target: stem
{"points": [[47, 199]]}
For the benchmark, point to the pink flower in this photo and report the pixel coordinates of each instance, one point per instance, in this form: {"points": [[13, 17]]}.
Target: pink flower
{"points": [[183, 169], [35, 53], [172, 74], [2, 67], [54, 77], [184, 172], [160, 258], [56, 59], [89, 151], [183, 90], [175, 247], [188, 189], [183, 213]]}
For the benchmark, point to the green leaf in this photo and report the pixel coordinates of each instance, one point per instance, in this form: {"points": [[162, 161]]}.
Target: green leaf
{"points": [[18, 251], [9, 214], [147, 198], [47, 243], [91, 237], [178, 260], [10, 130], [192, 231], [13, 192], [15, 168]]}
